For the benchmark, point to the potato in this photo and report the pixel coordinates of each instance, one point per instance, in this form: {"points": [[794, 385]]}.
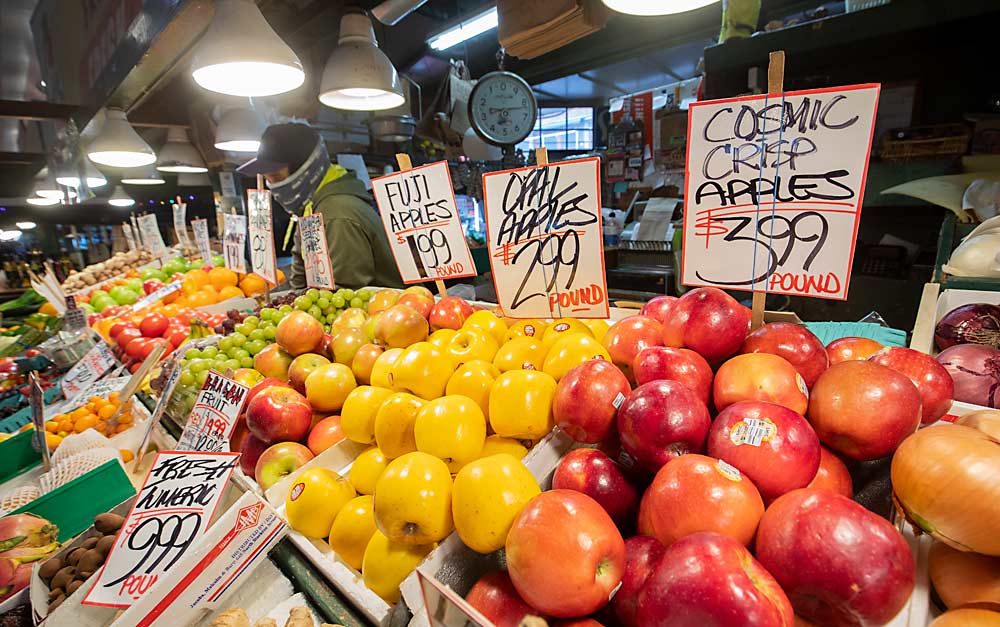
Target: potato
{"points": [[104, 545], [63, 577], [108, 523], [49, 569]]}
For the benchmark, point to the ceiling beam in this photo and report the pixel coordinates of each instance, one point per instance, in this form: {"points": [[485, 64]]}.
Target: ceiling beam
{"points": [[35, 110]]}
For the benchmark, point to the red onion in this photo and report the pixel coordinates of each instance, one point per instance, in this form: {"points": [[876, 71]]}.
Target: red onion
{"points": [[975, 369], [969, 324]]}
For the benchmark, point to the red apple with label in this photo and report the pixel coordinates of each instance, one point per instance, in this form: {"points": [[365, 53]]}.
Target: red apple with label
{"points": [[678, 364], [278, 461], [250, 451], [449, 313], [420, 303], [628, 336], [712, 580], [658, 308], [593, 473], [772, 445], [642, 555], [793, 342], [399, 326], [565, 554], [661, 420], [709, 322], [324, 434], [841, 565], [301, 367], [299, 333], [832, 475], [273, 362], [760, 377], [495, 597], [934, 383], [279, 414], [694, 493], [851, 349], [863, 410], [587, 400]]}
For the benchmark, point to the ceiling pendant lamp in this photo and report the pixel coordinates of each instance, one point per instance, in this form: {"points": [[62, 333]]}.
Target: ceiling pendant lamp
{"points": [[656, 7], [179, 154], [47, 187], [117, 145], [120, 198], [239, 130], [93, 177], [358, 76], [41, 201], [241, 55], [143, 176]]}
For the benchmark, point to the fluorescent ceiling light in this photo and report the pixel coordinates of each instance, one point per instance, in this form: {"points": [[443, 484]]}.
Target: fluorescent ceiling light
{"points": [[179, 154], [656, 7], [476, 25], [118, 145], [10, 236], [92, 175], [120, 198], [241, 55], [358, 76], [25, 226], [42, 201], [239, 130], [143, 176]]}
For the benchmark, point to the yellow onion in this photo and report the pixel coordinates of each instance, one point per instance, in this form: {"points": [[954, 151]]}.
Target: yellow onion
{"points": [[986, 420], [965, 579], [967, 617], [946, 481]]}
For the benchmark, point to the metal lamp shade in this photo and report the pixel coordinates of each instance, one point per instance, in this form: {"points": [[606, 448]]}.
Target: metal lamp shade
{"points": [[358, 76], [656, 7], [239, 130], [120, 198], [91, 174], [117, 145], [143, 176], [179, 155]]}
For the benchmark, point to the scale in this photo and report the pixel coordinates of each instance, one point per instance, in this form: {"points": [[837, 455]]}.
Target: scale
{"points": [[502, 107]]}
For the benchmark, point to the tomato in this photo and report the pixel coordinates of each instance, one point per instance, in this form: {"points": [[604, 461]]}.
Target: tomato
{"points": [[117, 328], [137, 347], [184, 315], [32, 352], [153, 325], [126, 336], [150, 346], [177, 337]]}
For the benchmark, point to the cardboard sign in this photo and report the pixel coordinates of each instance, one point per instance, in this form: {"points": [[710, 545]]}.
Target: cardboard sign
{"points": [[200, 228], [155, 296], [92, 367], [773, 194], [234, 243], [170, 513], [315, 255], [446, 608], [545, 243], [214, 416], [129, 237], [262, 257], [151, 238], [421, 219], [180, 223], [137, 233]]}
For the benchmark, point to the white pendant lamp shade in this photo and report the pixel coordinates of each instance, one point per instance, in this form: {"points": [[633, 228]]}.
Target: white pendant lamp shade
{"points": [[92, 175], [143, 176], [42, 201], [117, 145], [25, 226], [358, 76], [656, 7], [179, 154], [239, 130], [241, 55], [120, 198]]}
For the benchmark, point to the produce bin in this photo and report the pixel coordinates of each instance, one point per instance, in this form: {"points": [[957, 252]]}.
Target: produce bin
{"points": [[17, 454]]}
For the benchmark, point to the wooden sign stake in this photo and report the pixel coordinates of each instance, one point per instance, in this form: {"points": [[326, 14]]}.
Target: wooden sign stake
{"points": [[405, 165], [267, 284], [775, 85]]}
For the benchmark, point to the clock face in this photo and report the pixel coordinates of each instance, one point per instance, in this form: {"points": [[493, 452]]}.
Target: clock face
{"points": [[502, 108]]}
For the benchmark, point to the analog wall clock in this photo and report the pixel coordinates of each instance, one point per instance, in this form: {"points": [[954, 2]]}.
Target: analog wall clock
{"points": [[502, 108]]}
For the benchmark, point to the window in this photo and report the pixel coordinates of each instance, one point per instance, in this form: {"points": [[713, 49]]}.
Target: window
{"points": [[562, 128]]}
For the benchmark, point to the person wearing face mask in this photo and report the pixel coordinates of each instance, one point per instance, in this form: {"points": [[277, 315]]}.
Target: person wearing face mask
{"points": [[294, 162]]}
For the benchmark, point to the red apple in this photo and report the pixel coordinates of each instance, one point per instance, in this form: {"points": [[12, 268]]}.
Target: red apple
{"points": [[273, 362], [564, 554], [678, 364], [587, 400], [591, 472], [712, 580], [795, 343], [150, 286], [772, 445], [933, 381], [279, 460], [642, 555], [350, 318], [299, 333], [709, 322], [661, 420], [250, 451], [851, 349], [420, 303], [658, 308], [301, 367], [832, 475], [694, 493], [324, 434], [259, 387], [363, 362], [628, 336], [449, 313], [399, 326], [279, 414], [240, 433], [495, 598], [841, 565], [760, 377], [863, 410]]}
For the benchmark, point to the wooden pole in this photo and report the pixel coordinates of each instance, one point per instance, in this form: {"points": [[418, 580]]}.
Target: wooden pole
{"points": [[775, 85], [267, 284], [542, 156], [406, 165]]}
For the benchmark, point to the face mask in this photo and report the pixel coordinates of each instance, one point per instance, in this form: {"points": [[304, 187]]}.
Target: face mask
{"points": [[294, 192]]}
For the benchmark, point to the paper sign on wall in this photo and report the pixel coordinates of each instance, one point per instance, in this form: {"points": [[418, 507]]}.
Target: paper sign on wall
{"points": [[234, 243], [262, 257], [200, 228], [151, 238], [315, 255], [421, 220], [170, 513], [544, 240], [129, 237], [180, 223], [214, 416], [774, 185], [92, 367]]}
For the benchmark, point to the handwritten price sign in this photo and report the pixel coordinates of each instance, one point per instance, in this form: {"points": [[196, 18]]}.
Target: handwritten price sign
{"points": [[170, 513], [262, 257], [234, 243], [545, 243], [129, 237], [315, 254], [136, 232], [180, 223], [92, 367], [151, 238], [200, 228], [774, 189], [421, 219], [213, 418]]}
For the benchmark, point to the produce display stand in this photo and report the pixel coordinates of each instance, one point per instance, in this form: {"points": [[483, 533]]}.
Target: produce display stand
{"points": [[936, 301], [951, 235]]}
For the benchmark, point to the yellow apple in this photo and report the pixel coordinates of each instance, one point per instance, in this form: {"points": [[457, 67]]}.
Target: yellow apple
{"points": [[472, 343], [394, 424], [525, 328], [488, 322], [413, 500], [520, 353], [498, 444], [382, 368], [572, 350], [561, 327], [441, 337], [352, 529], [386, 564], [314, 500], [452, 428], [488, 495], [357, 416], [521, 404], [597, 326], [475, 380], [423, 369], [366, 469]]}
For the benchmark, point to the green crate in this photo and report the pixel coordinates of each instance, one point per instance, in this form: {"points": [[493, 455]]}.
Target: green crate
{"points": [[17, 455], [21, 417]]}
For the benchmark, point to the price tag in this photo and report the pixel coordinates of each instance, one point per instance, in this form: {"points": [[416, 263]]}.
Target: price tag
{"points": [[315, 255], [173, 368], [421, 219], [98, 388], [446, 608], [214, 416], [151, 238], [234, 243], [129, 237], [92, 367], [220, 221], [262, 258], [773, 190], [37, 400], [170, 513], [75, 320], [155, 296], [227, 183], [180, 223], [200, 228], [545, 242]]}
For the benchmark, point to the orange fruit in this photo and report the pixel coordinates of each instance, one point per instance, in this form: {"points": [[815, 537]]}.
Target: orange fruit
{"points": [[190, 287], [230, 291], [87, 422], [122, 428], [51, 426], [281, 276], [169, 310], [199, 276], [48, 309], [52, 440], [106, 411], [127, 455], [79, 412], [253, 285], [222, 277], [126, 418], [102, 426]]}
